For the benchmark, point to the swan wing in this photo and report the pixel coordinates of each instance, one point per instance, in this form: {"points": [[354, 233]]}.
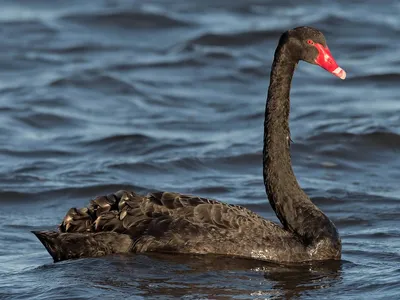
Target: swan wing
{"points": [[130, 213], [167, 222]]}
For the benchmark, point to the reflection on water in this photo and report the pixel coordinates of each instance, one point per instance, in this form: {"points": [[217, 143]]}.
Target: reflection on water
{"points": [[194, 276]]}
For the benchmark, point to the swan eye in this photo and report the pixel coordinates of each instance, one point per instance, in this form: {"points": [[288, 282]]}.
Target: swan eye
{"points": [[310, 42]]}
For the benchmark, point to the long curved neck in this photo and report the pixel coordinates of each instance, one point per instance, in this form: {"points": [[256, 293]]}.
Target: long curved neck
{"points": [[292, 206]]}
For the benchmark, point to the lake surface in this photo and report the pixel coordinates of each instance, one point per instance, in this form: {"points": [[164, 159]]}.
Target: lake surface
{"points": [[99, 96]]}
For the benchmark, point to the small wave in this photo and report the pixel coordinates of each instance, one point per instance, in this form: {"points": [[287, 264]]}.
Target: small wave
{"points": [[256, 71], [93, 79], [121, 143], [250, 116], [139, 167], [320, 201], [165, 62], [46, 120], [350, 25], [377, 78], [368, 140], [375, 235], [13, 196], [90, 191], [119, 139], [211, 190], [129, 19], [352, 221], [29, 153], [233, 39], [49, 101], [219, 54], [242, 159], [188, 163], [82, 48], [19, 226], [53, 196], [27, 26]]}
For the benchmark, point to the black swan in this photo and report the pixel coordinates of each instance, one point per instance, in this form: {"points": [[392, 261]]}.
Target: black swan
{"points": [[169, 222]]}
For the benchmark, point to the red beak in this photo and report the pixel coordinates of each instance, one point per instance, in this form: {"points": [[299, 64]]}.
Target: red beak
{"points": [[326, 61]]}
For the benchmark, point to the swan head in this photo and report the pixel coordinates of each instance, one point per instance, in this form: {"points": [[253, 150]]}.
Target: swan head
{"points": [[309, 44]]}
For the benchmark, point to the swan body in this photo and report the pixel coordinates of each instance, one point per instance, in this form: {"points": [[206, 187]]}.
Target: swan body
{"points": [[125, 222]]}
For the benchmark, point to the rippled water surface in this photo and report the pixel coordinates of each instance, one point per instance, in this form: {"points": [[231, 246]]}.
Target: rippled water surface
{"points": [[97, 96]]}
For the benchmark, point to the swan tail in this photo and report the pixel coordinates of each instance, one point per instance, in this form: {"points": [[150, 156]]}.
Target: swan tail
{"points": [[49, 239], [62, 246]]}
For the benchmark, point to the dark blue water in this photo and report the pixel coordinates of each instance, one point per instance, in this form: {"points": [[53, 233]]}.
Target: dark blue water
{"points": [[98, 96]]}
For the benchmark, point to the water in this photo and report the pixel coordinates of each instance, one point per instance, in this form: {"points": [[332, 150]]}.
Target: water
{"points": [[99, 96]]}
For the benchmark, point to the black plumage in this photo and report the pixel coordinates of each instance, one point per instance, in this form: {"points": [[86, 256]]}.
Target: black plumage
{"points": [[171, 222]]}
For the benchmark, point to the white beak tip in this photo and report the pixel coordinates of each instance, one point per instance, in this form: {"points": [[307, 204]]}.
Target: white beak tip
{"points": [[339, 72]]}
